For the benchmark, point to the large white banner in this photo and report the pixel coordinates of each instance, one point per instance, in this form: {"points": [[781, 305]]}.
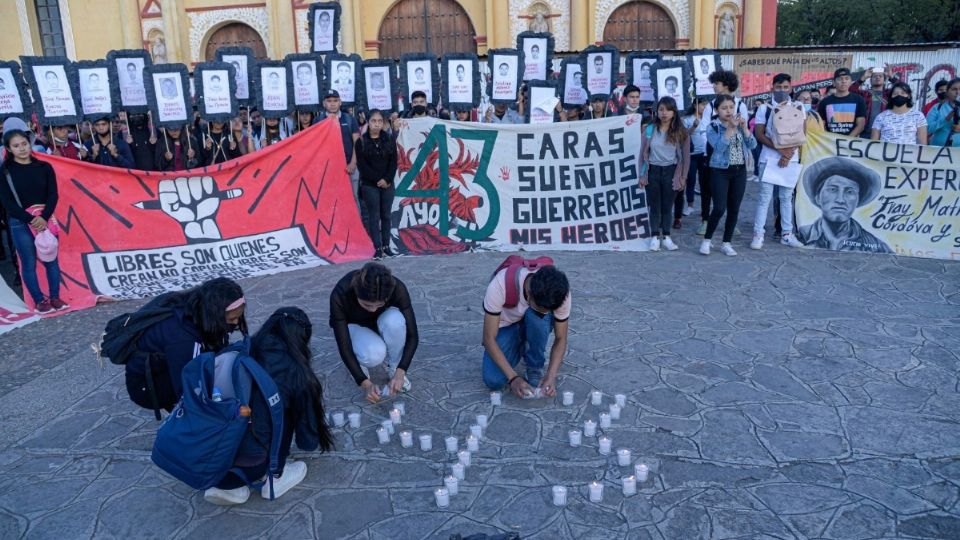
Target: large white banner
{"points": [[13, 312], [567, 186]]}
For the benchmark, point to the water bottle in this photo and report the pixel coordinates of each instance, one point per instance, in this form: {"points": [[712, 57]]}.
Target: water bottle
{"points": [[216, 395]]}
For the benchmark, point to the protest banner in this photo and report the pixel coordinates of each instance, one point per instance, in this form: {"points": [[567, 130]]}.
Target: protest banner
{"points": [[879, 197], [132, 234], [757, 70], [13, 312], [463, 186]]}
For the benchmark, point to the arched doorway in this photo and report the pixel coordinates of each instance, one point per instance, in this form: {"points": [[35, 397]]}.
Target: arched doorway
{"points": [[640, 25], [235, 35], [435, 26]]}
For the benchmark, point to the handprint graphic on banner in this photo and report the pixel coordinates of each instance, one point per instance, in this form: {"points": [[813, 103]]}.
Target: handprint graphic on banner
{"points": [[193, 202]]}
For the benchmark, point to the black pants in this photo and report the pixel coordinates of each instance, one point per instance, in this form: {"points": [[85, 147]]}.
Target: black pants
{"points": [[705, 191], [698, 166], [726, 188], [379, 203], [660, 197], [256, 472]]}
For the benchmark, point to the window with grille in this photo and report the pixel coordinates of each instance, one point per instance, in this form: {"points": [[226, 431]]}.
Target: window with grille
{"points": [[51, 28]]}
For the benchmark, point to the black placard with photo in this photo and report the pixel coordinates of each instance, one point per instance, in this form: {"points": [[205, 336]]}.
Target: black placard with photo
{"points": [[638, 71], [127, 67], [216, 91], [379, 85], [538, 49], [168, 92], [14, 98], [671, 78], [243, 62], [701, 64], [506, 75], [419, 71], [305, 70], [323, 21], [345, 76], [274, 89], [51, 80], [572, 91]]}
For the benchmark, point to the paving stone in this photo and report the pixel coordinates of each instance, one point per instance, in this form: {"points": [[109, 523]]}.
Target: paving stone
{"points": [[11, 526], [666, 401], [931, 526], [898, 472], [735, 392], [728, 523], [64, 432], [168, 514], [685, 522], [334, 522], [528, 511], [801, 498], [870, 431], [229, 525], [861, 521], [891, 497], [805, 417], [30, 497], [514, 428], [797, 445], [779, 380], [692, 474], [406, 474], [728, 436]]}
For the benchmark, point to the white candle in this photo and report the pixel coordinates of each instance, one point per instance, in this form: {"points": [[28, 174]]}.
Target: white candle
{"points": [[464, 457], [354, 419], [605, 443], [604, 420], [395, 416], [642, 472], [338, 419], [567, 401], [623, 457], [387, 425], [615, 411], [629, 486], [621, 400], [458, 470], [575, 437], [383, 436], [596, 491], [406, 439], [426, 442], [473, 443], [596, 397], [476, 430], [452, 484], [451, 443], [495, 398], [401, 406], [443, 497], [589, 428], [559, 496], [482, 420]]}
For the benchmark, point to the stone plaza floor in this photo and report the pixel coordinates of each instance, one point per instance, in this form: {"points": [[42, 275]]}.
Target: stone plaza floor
{"points": [[779, 394]]}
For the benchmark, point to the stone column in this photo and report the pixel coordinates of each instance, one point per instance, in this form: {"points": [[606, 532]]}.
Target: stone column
{"points": [[752, 22], [708, 25], [171, 32], [503, 39], [491, 25], [580, 27], [130, 24]]}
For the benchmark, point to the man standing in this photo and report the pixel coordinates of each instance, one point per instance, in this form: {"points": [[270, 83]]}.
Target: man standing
{"points": [[62, 145], [517, 324], [349, 132], [876, 97], [108, 150], [143, 143], [940, 89], [843, 113]]}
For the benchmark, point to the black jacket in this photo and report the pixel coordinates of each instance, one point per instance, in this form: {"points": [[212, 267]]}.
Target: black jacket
{"points": [[220, 151], [376, 158], [36, 183], [144, 153], [165, 141]]}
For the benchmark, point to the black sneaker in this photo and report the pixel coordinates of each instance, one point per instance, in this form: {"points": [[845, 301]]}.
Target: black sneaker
{"points": [[378, 255], [390, 253]]}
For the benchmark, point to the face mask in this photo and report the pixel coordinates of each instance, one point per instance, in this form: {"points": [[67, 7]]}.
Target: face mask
{"points": [[232, 327], [780, 96], [806, 107], [941, 96], [899, 101], [419, 110]]}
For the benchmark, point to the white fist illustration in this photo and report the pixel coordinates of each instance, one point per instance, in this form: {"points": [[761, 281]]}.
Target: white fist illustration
{"points": [[193, 202]]}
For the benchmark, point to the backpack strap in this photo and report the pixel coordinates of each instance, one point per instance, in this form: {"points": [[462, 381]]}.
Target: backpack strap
{"points": [[275, 404], [151, 387]]}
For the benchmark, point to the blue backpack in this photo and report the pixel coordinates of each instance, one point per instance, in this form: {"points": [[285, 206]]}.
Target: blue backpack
{"points": [[197, 442]]}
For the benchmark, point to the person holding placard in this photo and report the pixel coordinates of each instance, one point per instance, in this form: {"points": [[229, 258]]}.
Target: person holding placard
{"points": [[108, 149], [219, 144], [177, 150], [60, 144], [631, 101]]}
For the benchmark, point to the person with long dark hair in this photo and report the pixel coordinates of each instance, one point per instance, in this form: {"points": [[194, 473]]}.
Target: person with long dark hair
{"points": [[177, 150], [373, 321], [377, 161], [282, 347], [28, 192], [665, 160], [900, 123], [219, 144], [201, 320]]}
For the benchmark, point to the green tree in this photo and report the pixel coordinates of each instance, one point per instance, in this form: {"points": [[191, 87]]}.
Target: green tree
{"points": [[855, 22]]}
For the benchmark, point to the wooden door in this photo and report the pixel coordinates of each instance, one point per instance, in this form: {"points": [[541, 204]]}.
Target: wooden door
{"points": [[435, 26], [235, 35], [640, 25]]}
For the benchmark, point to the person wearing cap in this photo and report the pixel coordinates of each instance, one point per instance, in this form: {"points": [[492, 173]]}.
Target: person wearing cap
{"points": [[838, 186], [109, 150], [349, 132], [876, 96], [843, 113]]}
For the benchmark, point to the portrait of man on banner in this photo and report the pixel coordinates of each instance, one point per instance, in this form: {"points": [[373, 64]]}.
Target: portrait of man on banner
{"points": [[505, 77], [323, 34], [573, 91], [95, 97], [461, 81], [171, 104], [702, 65], [378, 88], [641, 78], [54, 90], [273, 86], [342, 80], [306, 89], [599, 73], [535, 59], [130, 77], [10, 102], [670, 83], [239, 62], [216, 91]]}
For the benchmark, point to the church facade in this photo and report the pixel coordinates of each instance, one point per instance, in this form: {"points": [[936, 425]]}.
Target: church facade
{"points": [[190, 31]]}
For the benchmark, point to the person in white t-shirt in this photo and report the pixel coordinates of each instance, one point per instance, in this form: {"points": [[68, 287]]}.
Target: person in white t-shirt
{"points": [[900, 123], [521, 332], [770, 156]]}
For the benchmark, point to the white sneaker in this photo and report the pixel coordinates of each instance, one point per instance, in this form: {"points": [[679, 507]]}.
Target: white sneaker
{"points": [[293, 473], [757, 242], [668, 243], [728, 250], [687, 210], [654, 243], [227, 497], [705, 247], [790, 240]]}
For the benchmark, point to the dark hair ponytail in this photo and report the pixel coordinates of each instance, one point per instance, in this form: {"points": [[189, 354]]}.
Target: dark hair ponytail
{"points": [[374, 283]]}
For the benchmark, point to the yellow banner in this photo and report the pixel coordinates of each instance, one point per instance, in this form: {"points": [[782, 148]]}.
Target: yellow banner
{"points": [[877, 197]]}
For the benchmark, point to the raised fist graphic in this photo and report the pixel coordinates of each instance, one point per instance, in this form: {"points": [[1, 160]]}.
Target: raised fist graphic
{"points": [[193, 202]]}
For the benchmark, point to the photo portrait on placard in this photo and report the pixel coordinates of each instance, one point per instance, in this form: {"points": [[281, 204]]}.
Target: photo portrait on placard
{"points": [[638, 73], [242, 60], [602, 65], [214, 83], [57, 102], [128, 67], [324, 26], [537, 50], [96, 89], [168, 91], [13, 95], [702, 64], [306, 72], [274, 89], [572, 91], [542, 100], [671, 78], [378, 81], [506, 70], [461, 81], [418, 76], [342, 74]]}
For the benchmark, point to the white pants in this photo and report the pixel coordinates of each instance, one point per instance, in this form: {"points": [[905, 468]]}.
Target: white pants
{"points": [[373, 348]]}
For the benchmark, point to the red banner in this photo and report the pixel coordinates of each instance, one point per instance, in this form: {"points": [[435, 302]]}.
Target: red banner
{"points": [[133, 234]]}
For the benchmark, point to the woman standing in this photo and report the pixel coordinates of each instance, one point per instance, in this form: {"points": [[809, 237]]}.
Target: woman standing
{"points": [[377, 162], [900, 123], [665, 155], [28, 192], [943, 120], [732, 143]]}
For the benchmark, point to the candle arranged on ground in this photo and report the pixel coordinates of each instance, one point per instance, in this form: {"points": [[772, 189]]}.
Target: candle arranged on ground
{"points": [[495, 398], [482, 420], [382, 435], [387, 425], [354, 419], [596, 491], [629, 486], [451, 443], [623, 457], [458, 470], [395, 416], [642, 472], [452, 484], [621, 400], [426, 442], [589, 428], [443, 497], [400, 406], [464, 457], [604, 420], [338, 418], [596, 397], [567, 401], [575, 437], [476, 430], [406, 439], [473, 443], [559, 496], [605, 444], [615, 411]]}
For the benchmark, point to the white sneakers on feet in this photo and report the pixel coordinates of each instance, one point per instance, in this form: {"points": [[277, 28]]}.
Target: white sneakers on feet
{"points": [[687, 210], [728, 250], [654, 243], [293, 473], [705, 247], [669, 245], [227, 497], [757, 242], [790, 240]]}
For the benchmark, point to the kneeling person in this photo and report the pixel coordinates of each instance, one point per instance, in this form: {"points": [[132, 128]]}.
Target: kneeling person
{"points": [[512, 332], [373, 321]]}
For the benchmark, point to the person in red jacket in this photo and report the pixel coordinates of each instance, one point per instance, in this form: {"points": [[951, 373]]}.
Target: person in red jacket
{"points": [[876, 95], [62, 145]]}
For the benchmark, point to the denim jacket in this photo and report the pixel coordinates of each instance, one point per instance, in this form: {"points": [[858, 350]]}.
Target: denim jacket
{"points": [[720, 159]]}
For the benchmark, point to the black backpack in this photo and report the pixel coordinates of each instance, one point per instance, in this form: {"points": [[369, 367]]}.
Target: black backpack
{"points": [[120, 337]]}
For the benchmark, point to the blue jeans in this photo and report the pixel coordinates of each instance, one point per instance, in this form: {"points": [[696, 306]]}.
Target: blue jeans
{"points": [[768, 192], [525, 339], [26, 249]]}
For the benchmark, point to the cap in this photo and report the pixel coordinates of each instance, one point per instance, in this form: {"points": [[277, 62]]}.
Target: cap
{"points": [[841, 72], [46, 244], [331, 93]]}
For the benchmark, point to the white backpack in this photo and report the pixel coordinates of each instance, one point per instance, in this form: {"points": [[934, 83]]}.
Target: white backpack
{"points": [[787, 120]]}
